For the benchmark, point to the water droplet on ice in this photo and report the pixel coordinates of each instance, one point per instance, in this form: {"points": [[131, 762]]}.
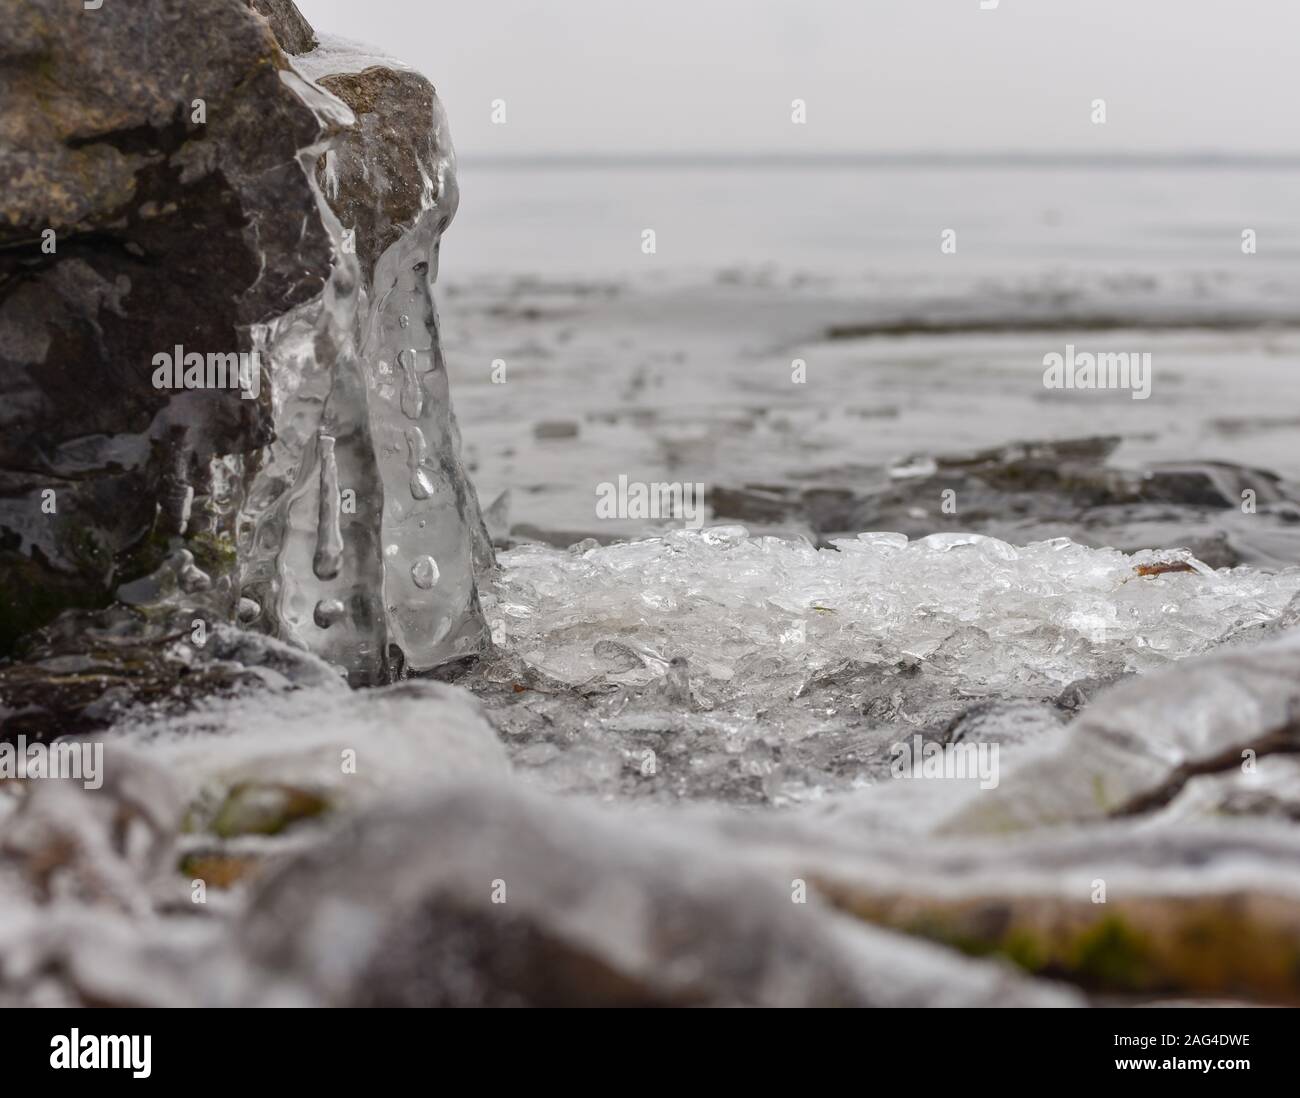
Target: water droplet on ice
{"points": [[421, 485], [249, 610], [327, 612], [412, 394], [425, 573]]}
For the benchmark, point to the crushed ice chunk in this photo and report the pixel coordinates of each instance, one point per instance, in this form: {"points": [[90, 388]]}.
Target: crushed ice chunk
{"points": [[990, 618]]}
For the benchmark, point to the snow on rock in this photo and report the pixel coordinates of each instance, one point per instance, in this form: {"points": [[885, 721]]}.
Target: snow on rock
{"points": [[1136, 747], [525, 899], [352, 749]]}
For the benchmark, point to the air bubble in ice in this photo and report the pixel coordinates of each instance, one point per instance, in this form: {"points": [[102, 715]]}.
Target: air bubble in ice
{"points": [[425, 573], [412, 395], [421, 485], [327, 612], [328, 559]]}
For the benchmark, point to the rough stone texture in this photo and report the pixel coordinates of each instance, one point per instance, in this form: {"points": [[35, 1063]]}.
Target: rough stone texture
{"points": [[292, 31], [168, 232], [388, 168], [203, 226], [82, 672]]}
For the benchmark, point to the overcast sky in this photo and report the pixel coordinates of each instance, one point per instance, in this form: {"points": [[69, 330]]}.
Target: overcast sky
{"points": [[611, 76]]}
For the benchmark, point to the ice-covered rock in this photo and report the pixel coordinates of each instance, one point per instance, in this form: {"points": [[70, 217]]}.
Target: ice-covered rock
{"points": [[1119, 907], [85, 671], [486, 896], [1136, 747], [393, 741], [1269, 789], [292, 31], [85, 876], [152, 200], [177, 185]]}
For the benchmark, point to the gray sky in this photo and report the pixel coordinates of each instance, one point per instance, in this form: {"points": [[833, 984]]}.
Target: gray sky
{"points": [[610, 76]]}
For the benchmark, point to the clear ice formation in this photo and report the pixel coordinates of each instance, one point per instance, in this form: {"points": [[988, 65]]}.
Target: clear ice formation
{"points": [[717, 666], [361, 535], [754, 617]]}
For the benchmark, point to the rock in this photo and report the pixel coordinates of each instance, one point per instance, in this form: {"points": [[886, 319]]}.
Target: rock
{"points": [[163, 167], [1138, 744], [1081, 692], [1039, 490], [555, 429], [394, 741], [486, 896], [167, 231], [1208, 484], [291, 30], [497, 519], [86, 880], [1117, 908], [1270, 788], [265, 808], [86, 671], [105, 846], [1005, 723]]}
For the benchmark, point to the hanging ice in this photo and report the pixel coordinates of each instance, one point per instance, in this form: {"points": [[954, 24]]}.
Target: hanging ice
{"points": [[362, 535]]}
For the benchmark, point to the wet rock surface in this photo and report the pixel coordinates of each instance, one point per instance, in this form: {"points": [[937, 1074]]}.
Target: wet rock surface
{"points": [[131, 229], [1225, 514], [85, 672], [291, 30], [166, 171]]}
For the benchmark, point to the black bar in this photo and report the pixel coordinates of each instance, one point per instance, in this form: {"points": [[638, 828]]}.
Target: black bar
{"points": [[803, 1049]]}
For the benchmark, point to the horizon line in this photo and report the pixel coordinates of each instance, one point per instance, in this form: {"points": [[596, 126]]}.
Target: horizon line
{"points": [[916, 158]]}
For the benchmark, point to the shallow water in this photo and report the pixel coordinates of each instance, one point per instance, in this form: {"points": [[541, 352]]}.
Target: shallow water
{"points": [[678, 366]]}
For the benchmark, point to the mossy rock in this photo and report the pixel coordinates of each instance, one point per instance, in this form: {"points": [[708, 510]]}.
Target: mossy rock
{"points": [[265, 808], [1230, 945]]}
